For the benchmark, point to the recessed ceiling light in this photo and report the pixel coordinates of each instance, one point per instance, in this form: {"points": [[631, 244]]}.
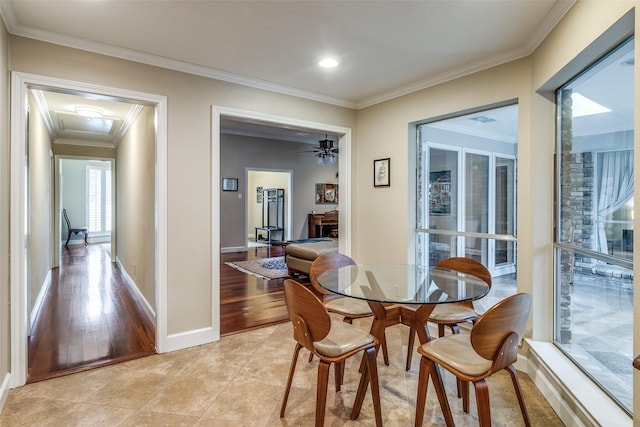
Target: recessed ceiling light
{"points": [[482, 119], [89, 111], [328, 63]]}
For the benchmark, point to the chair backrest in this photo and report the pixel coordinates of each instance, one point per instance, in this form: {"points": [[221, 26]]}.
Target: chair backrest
{"points": [[310, 319], [326, 262], [506, 320], [66, 218], [468, 266]]}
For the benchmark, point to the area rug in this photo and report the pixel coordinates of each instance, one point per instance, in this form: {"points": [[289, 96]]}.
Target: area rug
{"points": [[266, 268]]}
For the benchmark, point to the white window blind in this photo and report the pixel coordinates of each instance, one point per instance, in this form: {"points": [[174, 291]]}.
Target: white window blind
{"points": [[98, 199]]}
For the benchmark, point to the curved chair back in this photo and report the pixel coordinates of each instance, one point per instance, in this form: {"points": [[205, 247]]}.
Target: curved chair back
{"points": [[310, 319], [468, 266], [496, 334], [326, 262], [66, 218]]}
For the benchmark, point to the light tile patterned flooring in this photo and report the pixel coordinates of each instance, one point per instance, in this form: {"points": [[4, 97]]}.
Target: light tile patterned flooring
{"points": [[239, 381]]}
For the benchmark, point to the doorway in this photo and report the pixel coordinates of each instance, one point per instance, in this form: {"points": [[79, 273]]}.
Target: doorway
{"points": [[22, 245], [272, 122], [274, 213]]}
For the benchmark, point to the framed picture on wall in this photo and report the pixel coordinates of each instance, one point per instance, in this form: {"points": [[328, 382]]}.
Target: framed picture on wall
{"points": [[382, 172], [229, 184], [326, 194]]}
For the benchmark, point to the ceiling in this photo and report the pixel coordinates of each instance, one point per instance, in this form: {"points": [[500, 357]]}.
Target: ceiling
{"points": [[385, 49]]}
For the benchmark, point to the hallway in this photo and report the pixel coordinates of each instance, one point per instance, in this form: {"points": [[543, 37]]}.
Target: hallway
{"points": [[88, 318]]}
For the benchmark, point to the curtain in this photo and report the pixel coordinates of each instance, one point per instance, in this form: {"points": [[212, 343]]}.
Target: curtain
{"points": [[615, 189]]}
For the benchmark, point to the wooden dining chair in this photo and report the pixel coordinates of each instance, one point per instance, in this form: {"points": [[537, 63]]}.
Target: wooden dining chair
{"points": [[331, 341], [74, 230], [351, 308], [450, 315], [491, 346]]}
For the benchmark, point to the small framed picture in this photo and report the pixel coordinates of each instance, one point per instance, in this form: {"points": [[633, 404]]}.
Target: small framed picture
{"points": [[382, 172], [229, 184]]}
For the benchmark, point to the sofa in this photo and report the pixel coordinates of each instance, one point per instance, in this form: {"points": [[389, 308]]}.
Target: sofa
{"points": [[300, 256]]}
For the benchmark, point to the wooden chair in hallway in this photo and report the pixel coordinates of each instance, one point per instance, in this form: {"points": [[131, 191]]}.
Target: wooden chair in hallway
{"points": [[491, 346], [74, 230], [331, 341]]}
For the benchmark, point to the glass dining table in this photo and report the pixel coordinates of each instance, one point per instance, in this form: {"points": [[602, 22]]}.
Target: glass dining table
{"points": [[402, 293]]}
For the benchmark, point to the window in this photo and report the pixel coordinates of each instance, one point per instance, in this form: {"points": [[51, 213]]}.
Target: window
{"points": [[466, 193], [99, 197], [593, 317]]}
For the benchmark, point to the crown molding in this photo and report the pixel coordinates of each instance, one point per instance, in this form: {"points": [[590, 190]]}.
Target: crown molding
{"points": [[6, 10], [542, 31], [545, 27]]}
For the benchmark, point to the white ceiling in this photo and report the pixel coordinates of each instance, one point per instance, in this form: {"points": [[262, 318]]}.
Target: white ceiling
{"points": [[385, 48]]}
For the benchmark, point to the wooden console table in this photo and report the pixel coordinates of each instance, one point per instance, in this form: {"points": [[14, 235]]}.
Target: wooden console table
{"points": [[323, 225]]}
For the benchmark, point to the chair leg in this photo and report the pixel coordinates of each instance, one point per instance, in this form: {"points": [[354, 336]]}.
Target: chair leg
{"points": [[463, 391], [292, 369], [321, 393], [482, 403], [66, 245], [423, 383], [516, 386], [434, 371], [410, 344], [85, 238], [339, 374], [369, 375]]}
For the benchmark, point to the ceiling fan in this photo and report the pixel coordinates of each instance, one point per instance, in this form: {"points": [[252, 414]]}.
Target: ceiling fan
{"points": [[325, 151]]}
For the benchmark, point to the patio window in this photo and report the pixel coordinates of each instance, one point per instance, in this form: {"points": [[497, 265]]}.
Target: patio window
{"points": [[593, 322], [466, 193]]}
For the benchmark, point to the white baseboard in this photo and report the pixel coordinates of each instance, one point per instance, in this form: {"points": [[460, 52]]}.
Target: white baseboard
{"points": [[572, 395], [233, 249], [188, 339], [136, 294], [4, 390], [37, 306]]}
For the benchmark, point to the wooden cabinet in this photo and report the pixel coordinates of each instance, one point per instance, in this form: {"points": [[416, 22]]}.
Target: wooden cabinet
{"points": [[323, 225]]}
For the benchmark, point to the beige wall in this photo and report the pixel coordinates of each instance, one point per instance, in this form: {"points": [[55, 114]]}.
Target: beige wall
{"points": [[189, 153], [40, 202], [135, 203], [385, 128], [5, 170]]}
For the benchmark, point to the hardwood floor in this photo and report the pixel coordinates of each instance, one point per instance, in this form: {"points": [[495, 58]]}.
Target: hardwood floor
{"points": [[88, 318], [248, 302]]}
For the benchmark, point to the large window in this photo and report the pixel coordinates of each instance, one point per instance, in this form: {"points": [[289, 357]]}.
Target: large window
{"points": [[594, 238], [466, 193], [99, 197]]}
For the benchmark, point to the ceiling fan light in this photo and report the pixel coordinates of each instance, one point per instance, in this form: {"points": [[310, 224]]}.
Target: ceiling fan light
{"points": [[89, 111]]}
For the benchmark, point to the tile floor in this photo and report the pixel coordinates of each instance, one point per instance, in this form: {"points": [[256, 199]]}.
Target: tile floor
{"points": [[239, 381]]}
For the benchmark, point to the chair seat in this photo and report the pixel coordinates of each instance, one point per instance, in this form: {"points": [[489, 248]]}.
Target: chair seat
{"points": [[452, 313], [457, 352], [348, 307], [342, 338]]}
